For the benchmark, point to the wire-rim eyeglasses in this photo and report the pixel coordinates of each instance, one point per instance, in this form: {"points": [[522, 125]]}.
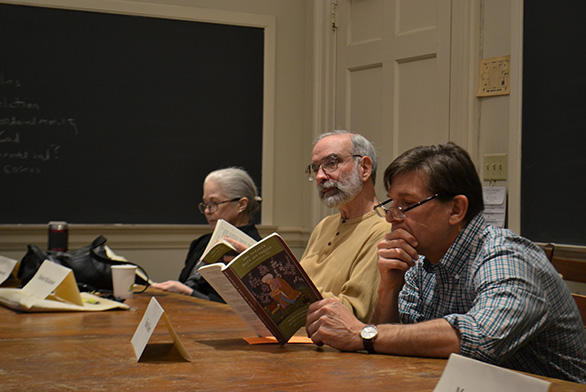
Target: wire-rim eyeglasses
{"points": [[398, 213], [329, 165], [213, 206]]}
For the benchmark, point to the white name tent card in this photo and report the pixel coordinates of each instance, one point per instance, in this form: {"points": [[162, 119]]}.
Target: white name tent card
{"points": [[53, 289], [465, 374], [54, 278], [6, 268], [147, 326]]}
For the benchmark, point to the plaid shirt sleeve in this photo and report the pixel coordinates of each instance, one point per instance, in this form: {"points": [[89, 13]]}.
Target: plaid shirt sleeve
{"points": [[509, 308]]}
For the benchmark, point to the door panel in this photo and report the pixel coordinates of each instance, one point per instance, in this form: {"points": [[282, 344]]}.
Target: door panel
{"points": [[393, 73]]}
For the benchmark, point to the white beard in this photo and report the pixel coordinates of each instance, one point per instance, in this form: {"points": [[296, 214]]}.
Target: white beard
{"points": [[347, 189]]}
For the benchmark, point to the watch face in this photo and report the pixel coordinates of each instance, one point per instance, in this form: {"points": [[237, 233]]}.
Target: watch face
{"points": [[369, 332]]}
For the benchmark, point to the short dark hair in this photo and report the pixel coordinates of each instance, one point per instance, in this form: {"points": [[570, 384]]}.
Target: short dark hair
{"points": [[450, 172]]}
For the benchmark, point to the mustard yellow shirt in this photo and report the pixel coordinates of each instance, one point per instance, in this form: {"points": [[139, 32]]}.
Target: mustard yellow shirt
{"points": [[341, 259]]}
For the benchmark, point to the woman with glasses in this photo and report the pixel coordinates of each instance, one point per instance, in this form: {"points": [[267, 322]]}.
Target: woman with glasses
{"points": [[228, 194]]}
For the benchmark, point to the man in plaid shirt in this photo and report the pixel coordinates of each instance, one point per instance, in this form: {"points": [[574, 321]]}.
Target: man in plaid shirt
{"points": [[451, 283]]}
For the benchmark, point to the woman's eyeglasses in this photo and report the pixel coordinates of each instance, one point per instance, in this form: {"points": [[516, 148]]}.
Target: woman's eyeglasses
{"points": [[213, 206]]}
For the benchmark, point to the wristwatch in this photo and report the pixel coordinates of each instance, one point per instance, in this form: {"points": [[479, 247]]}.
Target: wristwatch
{"points": [[368, 334]]}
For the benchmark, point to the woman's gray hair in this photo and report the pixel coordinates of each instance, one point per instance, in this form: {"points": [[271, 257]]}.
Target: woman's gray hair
{"points": [[360, 146], [235, 182]]}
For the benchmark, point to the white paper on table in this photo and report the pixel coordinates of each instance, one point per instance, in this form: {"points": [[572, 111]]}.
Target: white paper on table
{"points": [[465, 374]]}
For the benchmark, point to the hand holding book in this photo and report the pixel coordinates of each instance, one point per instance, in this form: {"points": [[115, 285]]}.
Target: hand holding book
{"points": [[226, 243], [238, 247]]}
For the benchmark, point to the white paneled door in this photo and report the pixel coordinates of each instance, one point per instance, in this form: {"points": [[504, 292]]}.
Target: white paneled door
{"points": [[393, 73]]}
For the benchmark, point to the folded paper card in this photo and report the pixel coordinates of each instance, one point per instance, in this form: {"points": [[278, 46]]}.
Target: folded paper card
{"points": [[53, 289], [466, 374], [147, 326], [6, 268]]}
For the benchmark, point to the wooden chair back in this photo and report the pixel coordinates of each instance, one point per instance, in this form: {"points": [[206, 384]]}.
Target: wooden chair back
{"points": [[573, 270], [548, 249]]}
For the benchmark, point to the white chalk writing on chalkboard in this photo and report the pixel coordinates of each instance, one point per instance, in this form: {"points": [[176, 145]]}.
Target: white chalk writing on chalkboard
{"points": [[18, 103], [39, 121], [17, 153], [8, 82]]}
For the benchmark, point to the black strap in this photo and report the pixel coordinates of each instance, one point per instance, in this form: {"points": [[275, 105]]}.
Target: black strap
{"points": [[101, 241]]}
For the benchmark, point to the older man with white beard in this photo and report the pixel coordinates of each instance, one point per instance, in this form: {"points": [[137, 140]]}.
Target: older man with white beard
{"points": [[341, 255]]}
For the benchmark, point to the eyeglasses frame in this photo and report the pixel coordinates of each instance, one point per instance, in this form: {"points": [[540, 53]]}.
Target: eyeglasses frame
{"points": [[312, 174], [203, 206], [399, 208]]}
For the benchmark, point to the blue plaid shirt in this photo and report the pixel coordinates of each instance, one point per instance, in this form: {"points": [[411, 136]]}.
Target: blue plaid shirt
{"points": [[504, 296]]}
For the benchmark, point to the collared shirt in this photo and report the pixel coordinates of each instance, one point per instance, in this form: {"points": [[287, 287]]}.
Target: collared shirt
{"points": [[506, 299], [341, 259]]}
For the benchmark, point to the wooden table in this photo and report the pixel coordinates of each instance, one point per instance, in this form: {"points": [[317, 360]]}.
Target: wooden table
{"points": [[92, 352]]}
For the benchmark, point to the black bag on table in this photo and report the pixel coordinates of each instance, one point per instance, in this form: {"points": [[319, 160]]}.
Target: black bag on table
{"points": [[90, 264]]}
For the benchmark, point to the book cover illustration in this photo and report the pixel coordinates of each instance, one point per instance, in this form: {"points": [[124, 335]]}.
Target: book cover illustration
{"points": [[273, 276]]}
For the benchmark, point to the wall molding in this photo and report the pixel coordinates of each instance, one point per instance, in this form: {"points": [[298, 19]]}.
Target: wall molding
{"points": [[14, 238]]}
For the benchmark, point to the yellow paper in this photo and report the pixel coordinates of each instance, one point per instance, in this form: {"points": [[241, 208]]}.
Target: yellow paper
{"points": [[54, 289], [272, 339]]}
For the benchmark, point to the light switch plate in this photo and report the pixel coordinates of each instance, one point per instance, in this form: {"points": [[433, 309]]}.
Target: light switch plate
{"points": [[495, 167]]}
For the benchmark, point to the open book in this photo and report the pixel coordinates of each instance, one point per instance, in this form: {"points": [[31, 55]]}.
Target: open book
{"points": [[266, 286], [218, 246]]}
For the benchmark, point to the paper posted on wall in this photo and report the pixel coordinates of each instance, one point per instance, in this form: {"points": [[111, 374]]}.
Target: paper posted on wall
{"points": [[495, 205]]}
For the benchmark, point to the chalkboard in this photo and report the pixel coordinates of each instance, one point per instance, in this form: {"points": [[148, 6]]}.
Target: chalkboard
{"points": [[109, 118], [553, 188]]}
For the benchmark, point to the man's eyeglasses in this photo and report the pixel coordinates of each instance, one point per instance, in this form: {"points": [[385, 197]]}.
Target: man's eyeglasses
{"points": [[213, 206], [398, 213], [329, 165]]}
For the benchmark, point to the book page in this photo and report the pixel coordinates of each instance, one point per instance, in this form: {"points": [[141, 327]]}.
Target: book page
{"points": [[225, 229], [216, 253], [215, 277]]}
